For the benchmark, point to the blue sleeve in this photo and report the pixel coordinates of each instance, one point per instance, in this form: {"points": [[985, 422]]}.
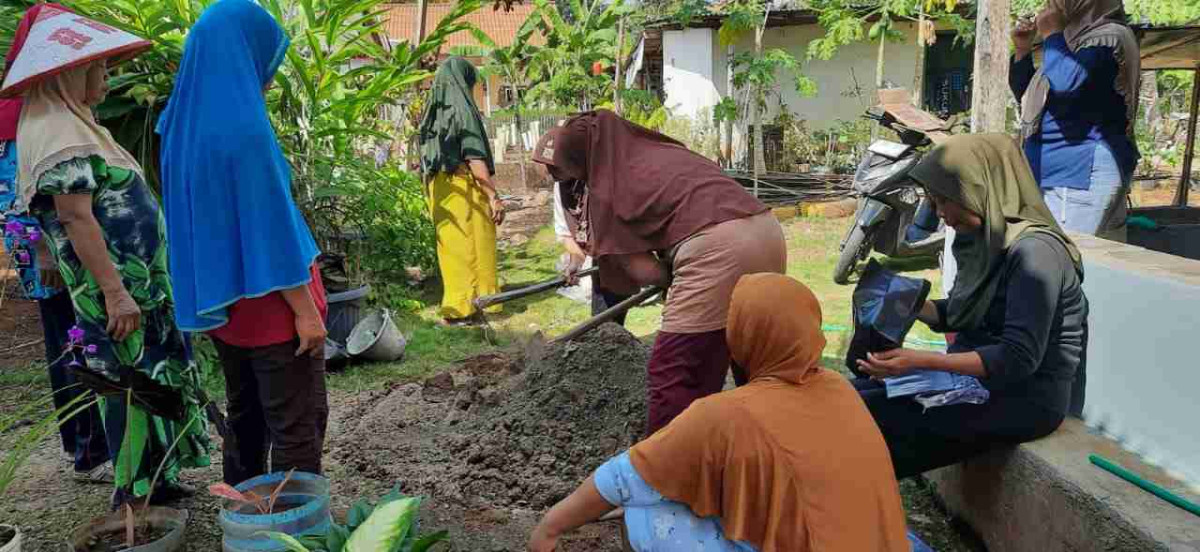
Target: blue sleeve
{"points": [[1020, 74], [1068, 71], [621, 485]]}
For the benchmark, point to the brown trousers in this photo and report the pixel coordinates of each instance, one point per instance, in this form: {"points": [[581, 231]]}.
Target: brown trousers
{"points": [[277, 405]]}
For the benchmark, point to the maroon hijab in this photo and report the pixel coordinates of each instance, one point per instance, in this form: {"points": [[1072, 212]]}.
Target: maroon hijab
{"points": [[645, 191], [10, 109]]}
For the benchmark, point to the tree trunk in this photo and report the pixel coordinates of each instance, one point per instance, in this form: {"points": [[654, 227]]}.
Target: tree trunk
{"points": [[989, 89], [879, 61], [421, 11], [1149, 99], [617, 79], [760, 158], [521, 132], [729, 92], [918, 89]]}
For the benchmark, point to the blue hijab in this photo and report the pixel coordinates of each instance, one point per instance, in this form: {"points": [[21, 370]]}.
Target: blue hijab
{"points": [[234, 230]]}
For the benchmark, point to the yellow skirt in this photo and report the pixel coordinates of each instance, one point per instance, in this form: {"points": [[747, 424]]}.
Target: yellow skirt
{"points": [[466, 242]]}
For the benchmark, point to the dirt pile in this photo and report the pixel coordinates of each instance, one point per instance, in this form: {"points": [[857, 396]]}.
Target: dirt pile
{"points": [[575, 405], [507, 432]]}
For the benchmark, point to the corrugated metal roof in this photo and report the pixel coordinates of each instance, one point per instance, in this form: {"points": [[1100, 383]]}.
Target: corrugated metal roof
{"points": [[500, 25]]}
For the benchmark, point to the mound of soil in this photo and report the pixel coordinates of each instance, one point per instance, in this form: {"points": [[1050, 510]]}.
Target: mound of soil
{"points": [[500, 432], [577, 404]]}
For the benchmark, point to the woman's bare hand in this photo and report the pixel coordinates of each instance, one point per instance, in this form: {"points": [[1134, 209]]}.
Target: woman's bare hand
{"points": [[124, 316], [896, 362], [497, 210], [1050, 21], [311, 331], [542, 540], [1022, 36]]}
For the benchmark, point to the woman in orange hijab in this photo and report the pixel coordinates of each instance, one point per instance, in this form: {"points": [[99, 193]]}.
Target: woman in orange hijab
{"points": [[791, 461]]}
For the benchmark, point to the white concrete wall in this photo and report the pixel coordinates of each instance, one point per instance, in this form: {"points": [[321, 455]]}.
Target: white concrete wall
{"points": [[695, 74], [688, 71], [1143, 376]]}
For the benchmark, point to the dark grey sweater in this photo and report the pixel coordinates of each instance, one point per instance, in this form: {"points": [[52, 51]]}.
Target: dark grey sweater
{"points": [[1034, 336]]}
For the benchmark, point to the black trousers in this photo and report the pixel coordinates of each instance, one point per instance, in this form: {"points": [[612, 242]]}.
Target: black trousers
{"points": [[83, 434], [277, 405], [603, 300], [920, 440]]}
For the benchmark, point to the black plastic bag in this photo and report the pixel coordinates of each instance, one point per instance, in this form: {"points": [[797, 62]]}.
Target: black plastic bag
{"points": [[885, 306]]}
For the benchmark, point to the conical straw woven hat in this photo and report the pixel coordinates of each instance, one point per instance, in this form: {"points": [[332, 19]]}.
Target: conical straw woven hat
{"points": [[61, 40]]}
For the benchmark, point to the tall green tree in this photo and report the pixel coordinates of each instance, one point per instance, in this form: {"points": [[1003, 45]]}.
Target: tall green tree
{"points": [[757, 74]]}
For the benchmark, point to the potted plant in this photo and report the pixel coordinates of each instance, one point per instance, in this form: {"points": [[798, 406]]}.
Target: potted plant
{"points": [[295, 503], [147, 529], [10, 539], [390, 526]]}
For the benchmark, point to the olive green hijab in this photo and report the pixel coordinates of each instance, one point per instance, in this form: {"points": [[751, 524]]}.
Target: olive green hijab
{"points": [[987, 174], [452, 130]]}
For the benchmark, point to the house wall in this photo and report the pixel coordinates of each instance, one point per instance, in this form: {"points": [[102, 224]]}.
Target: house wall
{"points": [[688, 71], [695, 71]]}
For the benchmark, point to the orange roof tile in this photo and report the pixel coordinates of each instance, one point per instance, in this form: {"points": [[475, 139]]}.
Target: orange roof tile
{"points": [[501, 26]]}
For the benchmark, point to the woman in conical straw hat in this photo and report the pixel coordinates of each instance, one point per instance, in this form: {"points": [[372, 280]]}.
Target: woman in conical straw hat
{"points": [[107, 234], [82, 434]]}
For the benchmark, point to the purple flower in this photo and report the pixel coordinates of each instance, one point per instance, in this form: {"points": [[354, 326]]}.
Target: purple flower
{"points": [[23, 257], [91, 349], [13, 227], [75, 334], [34, 234]]}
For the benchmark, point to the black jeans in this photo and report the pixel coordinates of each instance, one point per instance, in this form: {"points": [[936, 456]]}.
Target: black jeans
{"points": [[603, 300], [277, 404], [920, 440], [83, 434]]}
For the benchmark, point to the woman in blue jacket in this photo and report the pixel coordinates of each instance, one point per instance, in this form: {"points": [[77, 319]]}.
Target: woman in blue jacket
{"points": [[1078, 111]]}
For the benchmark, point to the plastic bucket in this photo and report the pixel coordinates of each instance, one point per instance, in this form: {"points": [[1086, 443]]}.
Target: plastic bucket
{"points": [[175, 521], [345, 312], [377, 338], [306, 499], [13, 545]]}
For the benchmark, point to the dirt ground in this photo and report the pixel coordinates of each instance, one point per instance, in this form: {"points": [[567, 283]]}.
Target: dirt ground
{"points": [[492, 441]]}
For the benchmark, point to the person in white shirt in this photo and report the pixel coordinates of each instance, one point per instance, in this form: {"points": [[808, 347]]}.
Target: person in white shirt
{"points": [[575, 255]]}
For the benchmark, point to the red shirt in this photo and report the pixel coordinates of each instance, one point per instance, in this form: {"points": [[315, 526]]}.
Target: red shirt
{"points": [[267, 320]]}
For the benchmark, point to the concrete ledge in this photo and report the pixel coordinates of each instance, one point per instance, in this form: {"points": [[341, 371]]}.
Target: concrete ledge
{"points": [[1046, 496]]}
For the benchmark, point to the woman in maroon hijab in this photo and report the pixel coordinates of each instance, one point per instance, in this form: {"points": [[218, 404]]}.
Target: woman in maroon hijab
{"points": [[653, 212]]}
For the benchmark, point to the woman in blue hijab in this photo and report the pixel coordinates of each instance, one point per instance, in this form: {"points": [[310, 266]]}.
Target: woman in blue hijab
{"points": [[242, 256]]}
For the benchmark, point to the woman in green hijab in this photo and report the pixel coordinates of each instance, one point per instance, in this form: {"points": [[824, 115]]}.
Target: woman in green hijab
{"points": [[456, 159], [1017, 306]]}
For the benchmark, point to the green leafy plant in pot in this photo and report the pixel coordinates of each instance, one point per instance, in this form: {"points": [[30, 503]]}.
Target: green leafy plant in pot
{"points": [[392, 525]]}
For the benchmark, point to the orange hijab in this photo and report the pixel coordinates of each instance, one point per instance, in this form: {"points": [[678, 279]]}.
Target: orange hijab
{"points": [[792, 461]]}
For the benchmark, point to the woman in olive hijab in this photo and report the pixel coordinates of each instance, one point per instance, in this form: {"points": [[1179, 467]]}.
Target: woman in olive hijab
{"points": [[456, 158], [1017, 306]]}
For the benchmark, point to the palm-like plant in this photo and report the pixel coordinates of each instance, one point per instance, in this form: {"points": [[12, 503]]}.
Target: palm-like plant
{"points": [[563, 67]]}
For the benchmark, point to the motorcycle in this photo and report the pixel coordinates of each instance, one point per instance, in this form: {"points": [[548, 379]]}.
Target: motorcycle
{"points": [[893, 216]]}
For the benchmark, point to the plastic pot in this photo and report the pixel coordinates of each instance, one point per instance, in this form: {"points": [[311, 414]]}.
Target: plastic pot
{"points": [[14, 544], [377, 338], [174, 521], [302, 508], [345, 312]]}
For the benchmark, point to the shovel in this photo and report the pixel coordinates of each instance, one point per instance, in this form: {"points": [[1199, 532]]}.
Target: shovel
{"points": [[486, 301], [549, 285]]}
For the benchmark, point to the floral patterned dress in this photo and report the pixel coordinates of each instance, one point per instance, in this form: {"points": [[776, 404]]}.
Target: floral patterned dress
{"points": [[135, 233]]}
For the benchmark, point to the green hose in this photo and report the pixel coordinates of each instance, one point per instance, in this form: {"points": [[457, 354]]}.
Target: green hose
{"points": [[1152, 488]]}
